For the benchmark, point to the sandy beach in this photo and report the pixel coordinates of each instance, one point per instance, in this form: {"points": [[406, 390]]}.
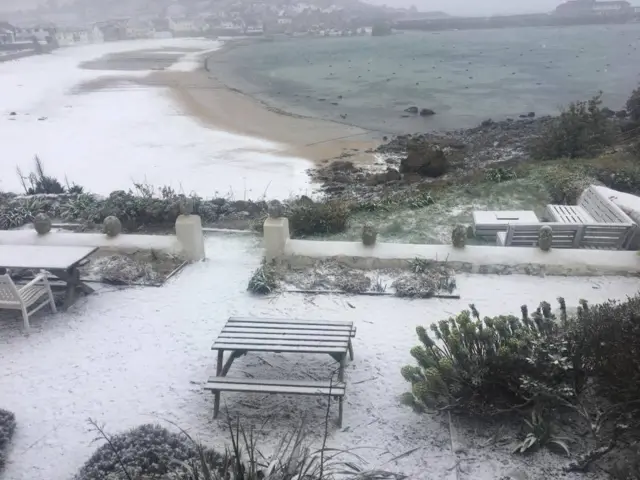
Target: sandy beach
{"points": [[200, 94]]}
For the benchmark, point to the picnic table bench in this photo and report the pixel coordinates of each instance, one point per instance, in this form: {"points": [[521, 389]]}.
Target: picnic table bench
{"points": [[241, 335], [61, 262]]}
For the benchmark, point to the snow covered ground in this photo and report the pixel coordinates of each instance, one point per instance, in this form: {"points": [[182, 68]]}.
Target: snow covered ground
{"points": [[105, 140], [132, 356]]}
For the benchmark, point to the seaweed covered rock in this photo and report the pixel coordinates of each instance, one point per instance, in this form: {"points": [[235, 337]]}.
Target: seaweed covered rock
{"points": [[42, 224], [459, 236], [7, 429], [147, 451], [545, 238], [112, 226], [369, 235]]}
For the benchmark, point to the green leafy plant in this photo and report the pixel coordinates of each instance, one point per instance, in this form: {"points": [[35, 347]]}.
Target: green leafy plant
{"points": [[633, 105], [264, 280], [540, 434], [479, 365], [318, 218], [581, 130], [500, 174]]}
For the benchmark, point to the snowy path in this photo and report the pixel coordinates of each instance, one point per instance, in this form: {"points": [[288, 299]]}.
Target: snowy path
{"points": [[132, 356], [105, 140]]}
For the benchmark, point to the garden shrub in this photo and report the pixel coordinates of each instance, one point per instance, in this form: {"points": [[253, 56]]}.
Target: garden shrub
{"points": [[264, 279], [607, 337], [480, 366], [564, 185], [633, 105], [581, 130], [500, 174], [318, 218], [147, 450], [7, 429]]}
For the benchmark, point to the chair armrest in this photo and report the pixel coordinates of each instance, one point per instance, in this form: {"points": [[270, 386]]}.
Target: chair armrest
{"points": [[39, 278]]}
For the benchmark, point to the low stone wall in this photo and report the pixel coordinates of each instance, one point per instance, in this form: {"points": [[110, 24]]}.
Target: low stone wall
{"points": [[470, 259], [188, 241]]}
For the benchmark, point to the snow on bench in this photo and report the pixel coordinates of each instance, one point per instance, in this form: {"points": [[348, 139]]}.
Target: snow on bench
{"points": [[606, 236]]}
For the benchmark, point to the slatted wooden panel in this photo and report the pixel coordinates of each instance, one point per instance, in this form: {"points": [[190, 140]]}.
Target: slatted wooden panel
{"points": [[300, 387], [605, 236], [601, 209], [568, 214], [520, 235]]}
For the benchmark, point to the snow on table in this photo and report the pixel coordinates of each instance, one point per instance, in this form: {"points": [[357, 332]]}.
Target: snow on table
{"points": [[45, 257], [139, 355]]}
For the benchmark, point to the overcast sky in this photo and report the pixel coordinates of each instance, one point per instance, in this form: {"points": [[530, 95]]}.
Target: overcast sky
{"points": [[454, 7]]}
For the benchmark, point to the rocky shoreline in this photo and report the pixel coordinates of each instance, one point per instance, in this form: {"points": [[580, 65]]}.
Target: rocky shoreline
{"points": [[415, 160]]}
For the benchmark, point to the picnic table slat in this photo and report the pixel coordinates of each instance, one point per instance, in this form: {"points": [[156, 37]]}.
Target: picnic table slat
{"points": [[281, 381], [253, 331], [283, 336], [279, 348], [294, 321], [276, 342], [275, 326], [290, 390]]}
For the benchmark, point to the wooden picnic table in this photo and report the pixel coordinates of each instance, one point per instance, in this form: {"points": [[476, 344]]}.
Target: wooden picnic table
{"points": [[62, 262], [241, 335]]}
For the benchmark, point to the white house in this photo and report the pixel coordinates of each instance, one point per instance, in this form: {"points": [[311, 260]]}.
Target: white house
{"points": [[284, 21], [182, 25], [7, 33], [67, 37], [43, 34]]}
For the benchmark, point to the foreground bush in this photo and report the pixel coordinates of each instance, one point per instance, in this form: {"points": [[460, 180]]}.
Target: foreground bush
{"points": [[152, 452], [633, 105], [482, 366], [581, 130], [7, 429], [607, 338], [148, 450]]}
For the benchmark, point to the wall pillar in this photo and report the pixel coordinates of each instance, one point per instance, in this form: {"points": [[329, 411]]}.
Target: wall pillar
{"points": [[276, 236], [189, 233]]}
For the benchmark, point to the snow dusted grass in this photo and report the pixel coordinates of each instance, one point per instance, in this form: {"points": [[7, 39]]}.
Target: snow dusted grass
{"points": [[132, 356], [106, 139]]}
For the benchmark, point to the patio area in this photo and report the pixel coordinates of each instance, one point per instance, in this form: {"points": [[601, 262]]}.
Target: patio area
{"points": [[141, 355]]}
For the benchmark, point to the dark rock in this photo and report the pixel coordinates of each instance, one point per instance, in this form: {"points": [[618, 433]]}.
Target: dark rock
{"points": [[531, 114], [384, 139], [340, 97], [12, 114], [343, 166], [523, 116], [405, 116], [426, 112], [392, 175], [342, 178], [335, 103], [487, 123], [428, 161], [322, 99], [412, 110], [218, 201]]}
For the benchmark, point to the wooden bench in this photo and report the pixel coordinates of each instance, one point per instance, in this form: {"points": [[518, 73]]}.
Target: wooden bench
{"points": [[604, 236], [601, 208], [288, 387]]}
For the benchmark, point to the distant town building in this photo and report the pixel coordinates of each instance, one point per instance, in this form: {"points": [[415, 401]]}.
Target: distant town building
{"points": [[591, 7], [7, 33]]}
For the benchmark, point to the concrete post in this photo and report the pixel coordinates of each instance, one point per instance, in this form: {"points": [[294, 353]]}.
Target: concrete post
{"points": [[189, 233], [276, 235]]}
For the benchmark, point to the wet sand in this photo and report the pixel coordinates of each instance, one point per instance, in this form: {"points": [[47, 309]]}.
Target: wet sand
{"points": [[202, 96]]}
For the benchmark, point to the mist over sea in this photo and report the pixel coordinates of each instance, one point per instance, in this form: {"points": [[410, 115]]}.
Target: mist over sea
{"points": [[465, 76]]}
